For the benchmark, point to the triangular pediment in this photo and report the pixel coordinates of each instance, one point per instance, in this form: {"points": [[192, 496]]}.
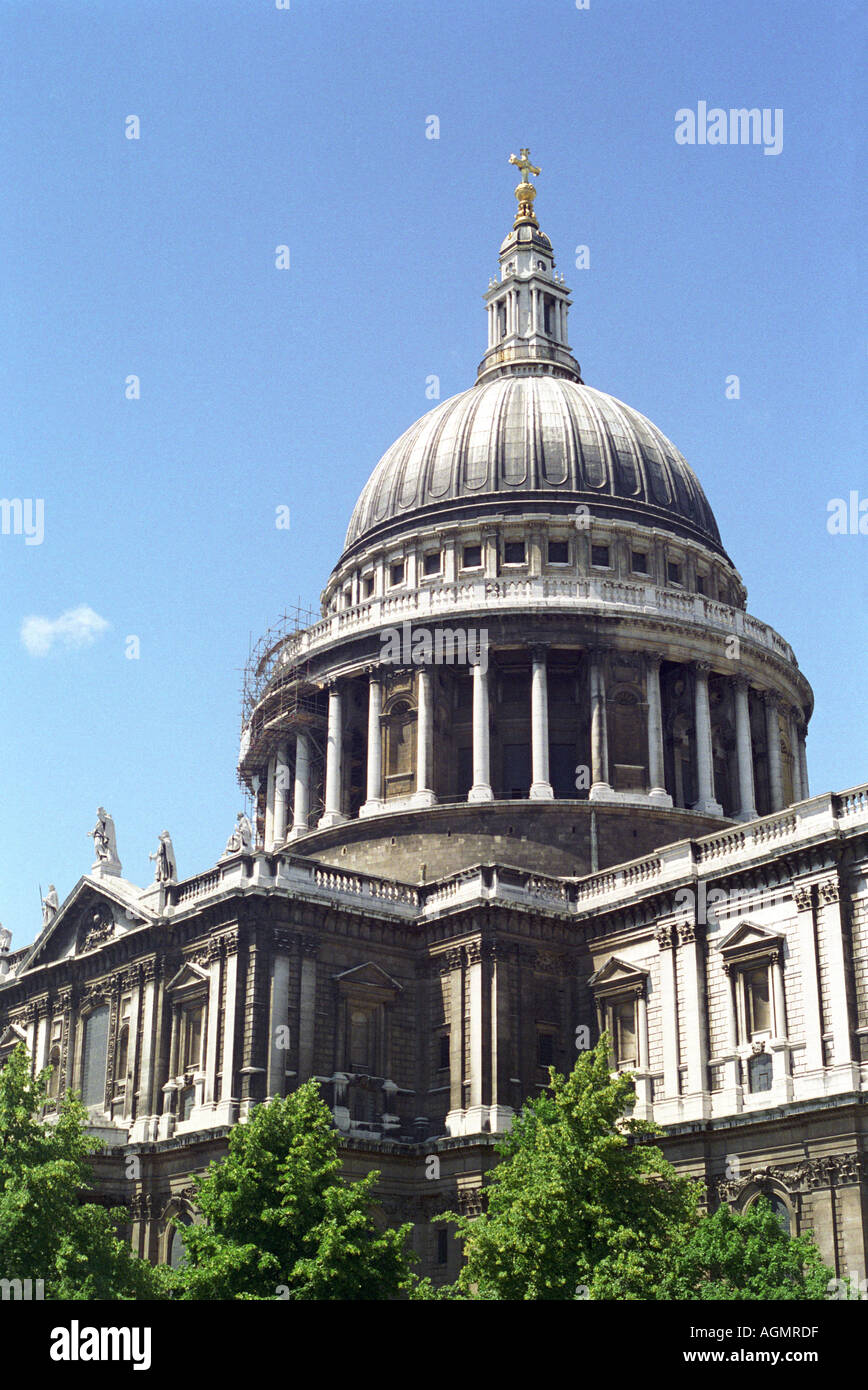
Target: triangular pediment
{"points": [[190, 976], [748, 936], [617, 971], [368, 976], [94, 913], [11, 1036]]}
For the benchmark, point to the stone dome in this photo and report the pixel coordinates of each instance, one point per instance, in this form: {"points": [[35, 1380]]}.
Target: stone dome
{"points": [[540, 440]]}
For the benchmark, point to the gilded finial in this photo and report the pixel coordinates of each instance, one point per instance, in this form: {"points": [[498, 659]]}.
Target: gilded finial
{"points": [[525, 192]]}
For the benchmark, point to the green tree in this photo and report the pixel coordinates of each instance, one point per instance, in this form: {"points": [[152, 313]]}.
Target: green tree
{"points": [[280, 1222], [584, 1205], [743, 1255], [46, 1231]]}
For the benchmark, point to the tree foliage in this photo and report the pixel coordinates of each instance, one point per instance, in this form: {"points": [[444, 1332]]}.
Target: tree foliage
{"points": [[584, 1205], [46, 1231], [278, 1221]]}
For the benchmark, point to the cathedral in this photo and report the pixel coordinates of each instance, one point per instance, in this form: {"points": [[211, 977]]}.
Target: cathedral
{"points": [[533, 772]]}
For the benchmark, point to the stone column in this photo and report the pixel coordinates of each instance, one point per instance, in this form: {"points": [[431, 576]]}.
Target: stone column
{"points": [[452, 964], [212, 1030], [334, 760], [307, 1007], [269, 804], [706, 805], [803, 763], [477, 1111], [746, 790], [424, 795], [281, 794], [669, 1019], [301, 791], [599, 734], [795, 721], [773, 744], [733, 1089], [782, 1082], [644, 1103], [829, 900], [374, 799], [227, 1107], [143, 1130], [695, 1031], [656, 766], [810, 980], [278, 1020], [541, 787], [481, 789]]}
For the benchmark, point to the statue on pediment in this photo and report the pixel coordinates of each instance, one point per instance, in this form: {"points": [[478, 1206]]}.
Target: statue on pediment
{"points": [[241, 839], [165, 870], [50, 904], [104, 843]]}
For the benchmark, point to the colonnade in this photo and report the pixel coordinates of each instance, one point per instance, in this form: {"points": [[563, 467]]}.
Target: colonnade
{"points": [[279, 827]]}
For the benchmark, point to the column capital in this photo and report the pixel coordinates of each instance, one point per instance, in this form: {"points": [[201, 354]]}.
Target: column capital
{"points": [[539, 650], [771, 699], [654, 660], [803, 898], [740, 681], [702, 668]]}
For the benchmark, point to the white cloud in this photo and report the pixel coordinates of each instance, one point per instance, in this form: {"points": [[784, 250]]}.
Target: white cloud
{"points": [[77, 627]]}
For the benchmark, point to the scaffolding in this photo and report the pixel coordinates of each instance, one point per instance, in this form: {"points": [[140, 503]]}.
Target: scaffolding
{"points": [[275, 651]]}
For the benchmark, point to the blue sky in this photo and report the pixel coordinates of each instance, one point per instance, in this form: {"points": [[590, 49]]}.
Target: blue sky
{"points": [[260, 387]]}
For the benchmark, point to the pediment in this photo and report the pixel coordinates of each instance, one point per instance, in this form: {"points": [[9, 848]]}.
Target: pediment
{"points": [[616, 974], [93, 914], [368, 977], [11, 1036], [189, 977], [748, 938]]}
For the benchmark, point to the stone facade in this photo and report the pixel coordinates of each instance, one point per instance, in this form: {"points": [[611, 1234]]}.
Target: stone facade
{"points": [[728, 968], [533, 773]]}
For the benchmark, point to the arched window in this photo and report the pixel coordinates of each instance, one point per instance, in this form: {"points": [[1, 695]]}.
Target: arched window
{"points": [[175, 1252], [400, 740], [94, 1056]]}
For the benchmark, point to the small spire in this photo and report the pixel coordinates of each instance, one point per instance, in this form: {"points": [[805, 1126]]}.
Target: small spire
{"points": [[525, 192]]}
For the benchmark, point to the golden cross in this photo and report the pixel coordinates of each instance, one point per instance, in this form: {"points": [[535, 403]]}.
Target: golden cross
{"points": [[524, 165]]}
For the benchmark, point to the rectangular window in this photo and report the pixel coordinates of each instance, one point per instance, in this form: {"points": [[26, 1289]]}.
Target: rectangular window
{"points": [[545, 1049], [758, 1001], [513, 552], [559, 552], [94, 1056], [624, 1033], [700, 584], [367, 586], [443, 1246], [396, 573], [673, 572], [443, 1046], [759, 1072], [639, 562], [600, 556], [191, 1054], [472, 557], [431, 563]]}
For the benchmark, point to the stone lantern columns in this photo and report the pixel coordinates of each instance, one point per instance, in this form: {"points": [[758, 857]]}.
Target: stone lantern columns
{"points": [[746, 788], [706, 804], [599, 732], [332, 814], [541, 788], [773, 744], [656, 770], [374, 794], [481, 789], [424, 795]]}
